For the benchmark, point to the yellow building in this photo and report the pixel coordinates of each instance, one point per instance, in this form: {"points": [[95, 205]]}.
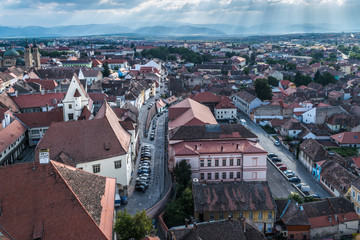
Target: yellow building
{"points": [[251, 200], [355, 195]]}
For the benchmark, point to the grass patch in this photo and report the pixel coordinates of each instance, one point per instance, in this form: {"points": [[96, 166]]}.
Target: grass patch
{"points": [[345, 151], [268, 129]]}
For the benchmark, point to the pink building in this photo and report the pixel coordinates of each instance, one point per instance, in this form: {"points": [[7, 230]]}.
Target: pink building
{"points": [[218, 152]]}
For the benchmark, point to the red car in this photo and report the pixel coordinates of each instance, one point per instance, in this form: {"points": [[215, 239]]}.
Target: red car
{"points": [[282, 167], [278, 164]]}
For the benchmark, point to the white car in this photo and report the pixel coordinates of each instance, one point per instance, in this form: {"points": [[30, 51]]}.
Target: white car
{"points": [[277, 143]]}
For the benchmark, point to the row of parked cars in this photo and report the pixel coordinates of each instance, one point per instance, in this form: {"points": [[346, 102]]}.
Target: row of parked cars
{"points": [[143, 179]]}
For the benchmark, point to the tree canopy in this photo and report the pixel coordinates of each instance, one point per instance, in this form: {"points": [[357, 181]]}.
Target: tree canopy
{"points": [[137, 226], [301, 79], [263, 89], [182, 173], [324, 78], [106, 72], [273, 81]]}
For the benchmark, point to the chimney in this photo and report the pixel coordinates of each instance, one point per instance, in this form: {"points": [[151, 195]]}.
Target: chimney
{"points": [[44, 156]]}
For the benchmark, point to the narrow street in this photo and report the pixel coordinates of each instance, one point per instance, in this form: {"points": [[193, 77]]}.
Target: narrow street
{"points": [[288, 159]]}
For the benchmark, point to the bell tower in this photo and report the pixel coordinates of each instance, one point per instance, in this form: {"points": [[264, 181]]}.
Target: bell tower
{"points": [[36, 56], [28, 56]]}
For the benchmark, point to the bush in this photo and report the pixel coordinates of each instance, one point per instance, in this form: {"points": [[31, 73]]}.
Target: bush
{"points": [[268, 129], [345, 151]]}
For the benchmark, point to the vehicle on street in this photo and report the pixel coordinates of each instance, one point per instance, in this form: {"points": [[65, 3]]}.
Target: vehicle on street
{"points": [[282, 167], [315, 196], [142, 179], [143, 170], [144, 165], [275, 159], [289, 173], [272, 155], [278, 164], [152, 136], [295, 180], [145, 175], [303, 187], [277, 143], [140, 188], [147, 158], [117, 200], [145, 161]]}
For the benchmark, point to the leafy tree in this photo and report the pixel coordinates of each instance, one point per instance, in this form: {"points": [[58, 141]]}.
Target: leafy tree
{"points": [[263, 89], [317, 76], [296, 197], [187, 201], [20, 52], [290, 66], [174, 213], [137, 226], [182, 173], [301, 79], [97, 53], [273, 81], [325, 78], [106, 72], [132, 45], [246, 70], [317, 55]]}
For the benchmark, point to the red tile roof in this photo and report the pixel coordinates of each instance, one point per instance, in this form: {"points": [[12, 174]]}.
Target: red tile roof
{"points": [[45, 84], [8, 102], [347, 137], [56, 201], [40, 119], [10, 134], [84, 141], [190, 112], [225, 103], [38, 100], [205, 97]]}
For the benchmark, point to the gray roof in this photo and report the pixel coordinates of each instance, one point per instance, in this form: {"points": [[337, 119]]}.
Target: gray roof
{"points": [[314, 150], [247, 97]]}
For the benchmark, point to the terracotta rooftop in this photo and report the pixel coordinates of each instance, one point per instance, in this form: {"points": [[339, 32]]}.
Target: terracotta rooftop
{"points": [[347, 137], [190, 112], [10, 134], [218, 131], [40, 119], [46, 84], [246, 96], [232, 196], [89, 140], [38, 100], [78, 199], [8, 102], [225, 103], [206, 97]]}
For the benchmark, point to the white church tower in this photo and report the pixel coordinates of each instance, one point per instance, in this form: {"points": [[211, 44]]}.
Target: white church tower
{"points": [[75, 100]]}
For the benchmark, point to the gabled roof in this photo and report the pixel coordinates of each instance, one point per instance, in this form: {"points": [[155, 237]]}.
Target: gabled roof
{"points": [[56, 201], [190, 112], [38, 100], [347, 137], [232, 196], [246, 96], [10, 134], [8, 102], [89, 140], [206, 97], [292, 124], [40, 119], [225, 103], [313, 150]]}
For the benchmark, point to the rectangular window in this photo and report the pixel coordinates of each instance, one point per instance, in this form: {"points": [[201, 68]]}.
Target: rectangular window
{"points": [[70, 106], [238, 175], [202, 176], [241, 214], [224, 175], [221, 215], [238, 161], [117, 164], [201, 163], [96, 168], [353, 194], [260, 215], [358, 197], [216, 175], [209, 176], [231, 175], [251, 215], [224, 162], [231, 162], [35, 131], [216, 162], [254, 175], [211, 216], [71, 116], [270, 215], [231, 215], [209, 163], [254, 161]]}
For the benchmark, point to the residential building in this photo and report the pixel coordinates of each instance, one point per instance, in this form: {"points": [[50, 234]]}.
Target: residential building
{"points": [[335, 178], [12, 137], [75, 100], [90, 75], [332, 217], [267, 113], [246, 102], [355, 195], [251, 200], [189, 112], [100, 145], [55, 201], [292, 128], [225, 109], [38, 102], [347, 139], [311, 152], [240, 229], [320, 113], [37, 123]]}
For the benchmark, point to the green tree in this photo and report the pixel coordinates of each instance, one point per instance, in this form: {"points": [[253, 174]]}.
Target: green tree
{"points": [[137, 226], [325, 78], [246, 70], [296, 197], [273, 81], [182, 174], [301, 79], [317, 76], [132, 45], [174, 213], [106, 72], [290, 66], [20, 52], [187, 201], [263, 89]]}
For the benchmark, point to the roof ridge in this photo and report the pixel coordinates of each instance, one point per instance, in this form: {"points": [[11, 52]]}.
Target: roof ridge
{"points": [[53, 164]]}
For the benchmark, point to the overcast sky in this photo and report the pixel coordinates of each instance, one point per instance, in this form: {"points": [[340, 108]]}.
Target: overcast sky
{"points": [[339, 13]]}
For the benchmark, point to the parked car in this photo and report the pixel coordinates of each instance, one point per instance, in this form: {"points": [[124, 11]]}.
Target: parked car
{"points": [[277, 143], [140, 188], [303, 187], [142, 179], [145, 161], [315, 196], [144, 170], [289, 173], [142, 184], [272, 155], [144, 165], [145, 175], [295, 180], [278, 164], [152, 136], [282, 167], [124, 200], [275, 159], [117, 200]]}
